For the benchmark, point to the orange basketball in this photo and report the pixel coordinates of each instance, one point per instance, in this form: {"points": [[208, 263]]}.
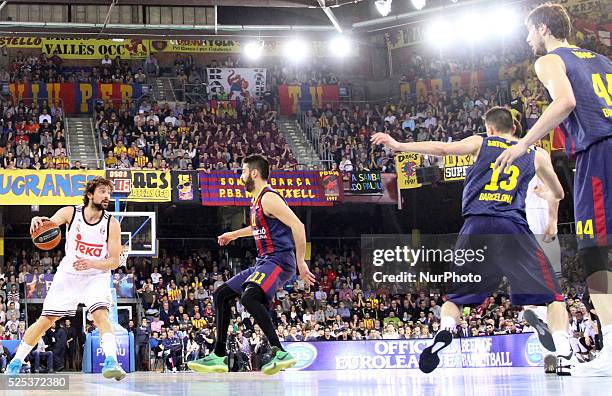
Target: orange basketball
{"points": [[47, 236]]}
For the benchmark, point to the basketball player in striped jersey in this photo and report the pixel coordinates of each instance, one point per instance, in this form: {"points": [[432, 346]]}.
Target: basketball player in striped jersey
{"points": [[281, 242], [579, 83], [93, 246]]}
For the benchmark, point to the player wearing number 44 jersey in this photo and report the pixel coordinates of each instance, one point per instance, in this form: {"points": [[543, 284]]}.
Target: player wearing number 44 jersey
{"points": [[580, 85], [93, 246], [277, 232], [494, 211]]}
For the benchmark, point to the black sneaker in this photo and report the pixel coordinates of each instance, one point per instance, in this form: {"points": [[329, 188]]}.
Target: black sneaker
{"points": [[544, 334], [429, 359]]}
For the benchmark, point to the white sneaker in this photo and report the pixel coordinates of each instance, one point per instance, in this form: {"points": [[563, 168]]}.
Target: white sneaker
{"points": [[566, 363], [601, 366], [174, 369]]}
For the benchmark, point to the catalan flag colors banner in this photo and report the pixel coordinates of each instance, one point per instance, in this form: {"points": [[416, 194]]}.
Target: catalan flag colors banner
{"points": [[298, 188], [75, 97], [294, 98]]}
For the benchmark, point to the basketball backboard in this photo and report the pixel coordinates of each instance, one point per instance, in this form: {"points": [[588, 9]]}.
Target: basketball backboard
{"points": [[138, 232]]}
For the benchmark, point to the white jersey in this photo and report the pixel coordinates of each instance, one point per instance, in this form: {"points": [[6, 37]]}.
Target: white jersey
{"points": [[84, 240], [536, 208]]}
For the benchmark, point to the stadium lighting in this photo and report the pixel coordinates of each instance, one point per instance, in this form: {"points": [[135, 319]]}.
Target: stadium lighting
{"points": [[418, 4], [296, 50], [340, 46], [439, 33], [254, 49], [471, 28], [505, 21], [383, 7]]}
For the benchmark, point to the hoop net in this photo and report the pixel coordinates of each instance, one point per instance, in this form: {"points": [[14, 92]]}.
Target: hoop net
{"points": [[125, 252]]}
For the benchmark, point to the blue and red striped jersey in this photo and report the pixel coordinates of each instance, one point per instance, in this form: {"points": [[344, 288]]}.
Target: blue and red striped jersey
{"points": [[271, 235], [590, 75]]}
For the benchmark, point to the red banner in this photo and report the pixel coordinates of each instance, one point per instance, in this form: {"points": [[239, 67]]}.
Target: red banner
{"points": [[75, 97], [299, 188], [306, 97]]}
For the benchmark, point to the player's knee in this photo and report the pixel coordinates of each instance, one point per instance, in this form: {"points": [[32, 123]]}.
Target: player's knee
{"points": [[223, 292], [99, 316], [252, 295], [594, 259], [47, 321]]}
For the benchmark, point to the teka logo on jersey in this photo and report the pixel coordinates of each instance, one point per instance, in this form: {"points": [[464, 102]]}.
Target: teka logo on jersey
{"points": [[88, 249]]}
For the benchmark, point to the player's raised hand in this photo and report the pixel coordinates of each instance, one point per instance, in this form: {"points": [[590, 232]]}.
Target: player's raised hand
{"points": [[305, 274], [385, 139], [226, 238], [507, 158], [37, 222]]}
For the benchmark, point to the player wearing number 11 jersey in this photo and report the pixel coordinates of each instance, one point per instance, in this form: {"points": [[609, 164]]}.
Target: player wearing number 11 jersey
{"points": [[495, 220]]}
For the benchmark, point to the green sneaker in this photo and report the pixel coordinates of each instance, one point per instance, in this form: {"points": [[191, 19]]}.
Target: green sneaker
{"points": [[210, 364], [281, 360]]}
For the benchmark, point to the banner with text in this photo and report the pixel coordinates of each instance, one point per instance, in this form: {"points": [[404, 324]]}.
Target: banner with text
{"points": [[331, 183], [44, 187], [294, 98], [513, 350], [406, 165], [299, 188], [141, 185], [76, 97], [456, 166], [237, 83], [365, 183], [95, 48]]}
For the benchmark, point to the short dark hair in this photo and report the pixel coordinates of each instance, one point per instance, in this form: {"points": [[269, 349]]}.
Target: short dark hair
{"points": [[500, 118], [259, 162], [554, 16], [93, 184]]}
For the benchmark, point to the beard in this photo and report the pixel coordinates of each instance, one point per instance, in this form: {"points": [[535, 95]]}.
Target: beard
{"points": [[99, 206], [249, 184]]}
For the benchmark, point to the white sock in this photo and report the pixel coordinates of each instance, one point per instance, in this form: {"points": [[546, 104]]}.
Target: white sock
{"points": [[606, 333], [109, 345], [22, 351], [562, 345], [448, 323]]}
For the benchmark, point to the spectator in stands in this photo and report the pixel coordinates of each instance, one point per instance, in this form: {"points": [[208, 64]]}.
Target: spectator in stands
{"points": [[41, 352]]}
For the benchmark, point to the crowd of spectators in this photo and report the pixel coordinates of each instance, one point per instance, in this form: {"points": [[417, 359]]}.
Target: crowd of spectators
{"points": [[32, 136], [176, 293], [188, 137]]}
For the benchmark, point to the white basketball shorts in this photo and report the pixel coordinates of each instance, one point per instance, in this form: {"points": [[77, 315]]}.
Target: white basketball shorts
{"points": [[68, 290]]}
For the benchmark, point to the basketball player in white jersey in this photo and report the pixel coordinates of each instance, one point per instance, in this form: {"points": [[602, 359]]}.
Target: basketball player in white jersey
{"points": [[93, 246]]}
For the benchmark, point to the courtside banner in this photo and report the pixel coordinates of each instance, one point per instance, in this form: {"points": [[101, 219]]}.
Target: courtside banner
{"points": [[299, 188], [406, 165], [141, 185], [512, 350], [44, 187]]}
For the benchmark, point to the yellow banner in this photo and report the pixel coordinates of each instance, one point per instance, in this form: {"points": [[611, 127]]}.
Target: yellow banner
{"points": [[96, 49], [456, 166], [319, 49], [406, 165], [20, 42], [44, 187], [141, 186]]}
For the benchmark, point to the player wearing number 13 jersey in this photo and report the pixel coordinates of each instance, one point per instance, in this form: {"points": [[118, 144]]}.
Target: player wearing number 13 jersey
{"points": [[495, 223], [580, 85]]}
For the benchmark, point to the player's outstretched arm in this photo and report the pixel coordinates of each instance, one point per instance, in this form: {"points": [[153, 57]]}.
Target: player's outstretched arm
{"points": [[62, 216], [551, 72], [470, 145], [227, 237], [546, 172], [275, 206], [114, 251]]}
